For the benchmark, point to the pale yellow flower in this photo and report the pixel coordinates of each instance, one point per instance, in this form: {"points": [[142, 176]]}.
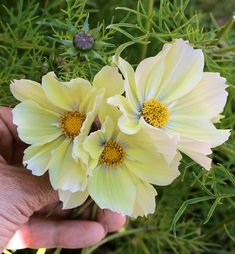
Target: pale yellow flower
{"points": [[170, 93], [49, 118], [121, 168]]}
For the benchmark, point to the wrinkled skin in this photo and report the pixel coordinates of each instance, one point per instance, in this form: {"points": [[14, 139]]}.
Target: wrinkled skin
{"points": [[25, 200]]}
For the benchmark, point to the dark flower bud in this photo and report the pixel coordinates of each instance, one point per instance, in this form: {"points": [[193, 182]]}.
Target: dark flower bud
{"points": [[83, 41]]}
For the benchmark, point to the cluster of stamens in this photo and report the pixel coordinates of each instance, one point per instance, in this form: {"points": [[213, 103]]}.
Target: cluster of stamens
{"points": [[71, 123], [113, 154], [155, 113]]}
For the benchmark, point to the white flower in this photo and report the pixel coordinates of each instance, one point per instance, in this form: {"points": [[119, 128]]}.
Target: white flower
{"points": [[171, 93], [49, 117], [121, 168]]}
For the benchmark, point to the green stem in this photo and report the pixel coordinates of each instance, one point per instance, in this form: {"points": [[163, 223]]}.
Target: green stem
{"points": [[57, 251], [77, 212], [94, 211], [25, 45], [227, 151], [224, 50], [150, 4], [144, 247], [115, 236], [31, 46], [218, 227]]}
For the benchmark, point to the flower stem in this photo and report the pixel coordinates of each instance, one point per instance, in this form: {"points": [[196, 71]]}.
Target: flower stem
{"points": [[150, 4], [227, 150], [57, 251], [224, 50], [115, 236], [78, 211]]}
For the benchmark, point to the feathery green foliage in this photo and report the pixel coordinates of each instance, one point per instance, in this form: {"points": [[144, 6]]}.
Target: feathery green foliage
{"points": [[196, 213]]}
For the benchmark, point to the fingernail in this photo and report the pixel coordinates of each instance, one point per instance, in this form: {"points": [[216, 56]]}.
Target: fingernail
{"points": [[106, 228]]}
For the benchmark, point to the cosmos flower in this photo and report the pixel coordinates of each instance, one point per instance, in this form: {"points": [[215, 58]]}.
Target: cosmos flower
{"points": [[121, 168], [170, 93], [48, 118]]}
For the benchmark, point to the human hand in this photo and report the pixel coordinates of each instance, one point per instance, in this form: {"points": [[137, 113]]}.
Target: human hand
{"points": [[22, 195]]}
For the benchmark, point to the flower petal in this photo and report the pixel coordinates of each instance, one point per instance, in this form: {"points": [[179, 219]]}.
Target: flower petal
{"points": [[66, 173], [196, 150], [37, 157], [94, 146], [129, 121], [36, 125], [156, 171], [110, 111], [206, 100], [149, 74], [128, 125], [159, 139], [24, 89], [113, 189], [109, 78], [184, 70], [68, 95], [86, 127], [129, 83], [145, 199], [198, 129], [72, 199]]}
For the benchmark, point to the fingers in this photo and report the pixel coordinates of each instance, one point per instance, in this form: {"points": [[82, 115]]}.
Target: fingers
{"points": [[53, 211], [11, 147], [6, 117], [38, 233], [6, 145], [113, 221]]}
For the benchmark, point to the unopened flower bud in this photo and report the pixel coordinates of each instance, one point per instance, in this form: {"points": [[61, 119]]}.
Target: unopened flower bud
{"points": [[83, 41]]}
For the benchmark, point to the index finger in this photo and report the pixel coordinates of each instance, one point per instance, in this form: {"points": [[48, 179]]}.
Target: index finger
{"points": [[12, 147], [7, 117]]}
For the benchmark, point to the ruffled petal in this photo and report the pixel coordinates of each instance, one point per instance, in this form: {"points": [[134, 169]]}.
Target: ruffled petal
{"points": [[66, 173], [206, 100], [36, 125], [155, 171], [113, 189], [128, 125], [86, 127], [149, 74], [108, 110], [197, 151], [159, 140], [198, 129], [94, 145], [25, 89], [129, 83], [110, 79], [129, 121], [145, 199], [183, 72], [68, 96], [37, 157], [72, 199]]}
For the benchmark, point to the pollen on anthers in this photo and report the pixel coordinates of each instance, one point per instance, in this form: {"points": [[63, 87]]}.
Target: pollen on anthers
{"points": [[113, 154], [155, 113], [71, 123]]}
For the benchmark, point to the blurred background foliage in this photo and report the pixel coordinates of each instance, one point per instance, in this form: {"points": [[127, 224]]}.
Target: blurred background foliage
{"points": [[196, 213]]}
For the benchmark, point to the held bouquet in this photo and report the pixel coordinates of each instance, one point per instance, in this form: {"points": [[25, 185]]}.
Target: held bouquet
{"points": [[113, 138]]}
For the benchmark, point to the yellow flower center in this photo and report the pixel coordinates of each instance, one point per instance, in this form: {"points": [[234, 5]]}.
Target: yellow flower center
{"points": [[113, 154], [71, 123], [155, 113]]}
